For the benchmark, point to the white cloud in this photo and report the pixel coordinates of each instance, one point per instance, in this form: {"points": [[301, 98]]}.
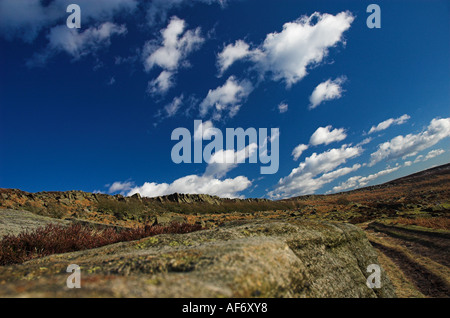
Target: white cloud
{"points": [[120, 186], [301, 45], [161, 84], [283, 107], [434, 153], [175, 47], [316, 171], [223, 161], [365, 141], [359, 181], [407, 163], [204, 130], [77, 44], [172, 108], [389, 122], [410, 145], [170, 53], [211, 182], [297, 152], [193, 184], [25, 19], [232, 53], [430, 155], [418, 159], [227, 98], [326, 91], [324, 135]]}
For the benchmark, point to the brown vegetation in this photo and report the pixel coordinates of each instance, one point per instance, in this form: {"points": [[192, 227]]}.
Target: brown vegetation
{"points": [[55, 239]]}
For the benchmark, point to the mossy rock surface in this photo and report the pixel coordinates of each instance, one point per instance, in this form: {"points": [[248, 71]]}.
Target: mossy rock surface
{"points": [[259, 258], [13, 222]]}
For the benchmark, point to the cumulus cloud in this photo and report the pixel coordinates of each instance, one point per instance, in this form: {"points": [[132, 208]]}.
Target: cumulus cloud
{"points": [[211, 182], [227, 98], [419, 159], [297, 152], [359, 181], [289, 54], [193, 184], [316, 171], [389, 122], [324, 135], [175, 47], [120, 187], [75, 43], [170, 53], [204, 130], [169, 110], [410, 145], [232, 53], [162, 83], [172, 108], [223, 161], [430, 155], [365, 141], [283, 107], [434, 153], [25, 19], [326, 91]]}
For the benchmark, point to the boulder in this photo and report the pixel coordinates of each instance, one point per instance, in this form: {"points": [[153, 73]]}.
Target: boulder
{"points": [[168, 218], [242, 259]]}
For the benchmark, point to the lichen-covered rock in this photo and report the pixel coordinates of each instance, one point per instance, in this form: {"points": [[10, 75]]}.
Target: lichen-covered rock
{"points": [[13, 222], [256, 259]]}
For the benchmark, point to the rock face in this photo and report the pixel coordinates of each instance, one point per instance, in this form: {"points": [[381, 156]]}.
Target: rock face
{"points": [[201, 198], [256, 259], [63, 204]]}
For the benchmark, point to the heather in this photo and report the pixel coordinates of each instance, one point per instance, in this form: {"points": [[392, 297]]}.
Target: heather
{"points": [[56, 239]]}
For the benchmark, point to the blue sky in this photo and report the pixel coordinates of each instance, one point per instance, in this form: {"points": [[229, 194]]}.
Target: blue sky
{"points": [[93, 108]]}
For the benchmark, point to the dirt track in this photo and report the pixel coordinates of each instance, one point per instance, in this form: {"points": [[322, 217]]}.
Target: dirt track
{"points": [[421, 256]]}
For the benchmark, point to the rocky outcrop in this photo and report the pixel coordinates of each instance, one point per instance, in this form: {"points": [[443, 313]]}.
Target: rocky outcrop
{"points": [[16, 199], [188, 198], [243, 259], [200, 198]]}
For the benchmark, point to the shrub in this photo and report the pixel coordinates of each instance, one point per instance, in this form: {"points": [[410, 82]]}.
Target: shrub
{"points": [[342, 201], [55, 239]]}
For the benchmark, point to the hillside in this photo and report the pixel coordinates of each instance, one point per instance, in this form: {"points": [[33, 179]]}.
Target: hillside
{"points": [[426, 191], [402, 225]]}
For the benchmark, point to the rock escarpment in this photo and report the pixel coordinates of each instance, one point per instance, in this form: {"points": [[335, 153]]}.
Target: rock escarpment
{"points": [[247, 259]]}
